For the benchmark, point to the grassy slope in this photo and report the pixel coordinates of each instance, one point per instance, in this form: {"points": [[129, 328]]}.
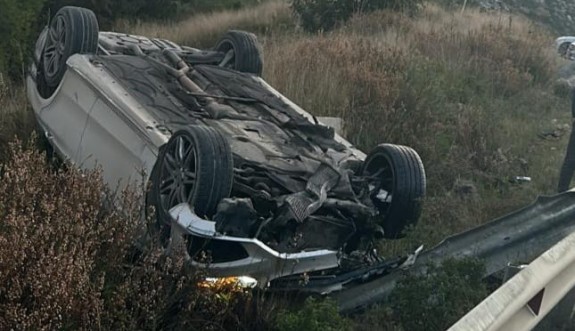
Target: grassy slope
{"points": [[470, 92]]}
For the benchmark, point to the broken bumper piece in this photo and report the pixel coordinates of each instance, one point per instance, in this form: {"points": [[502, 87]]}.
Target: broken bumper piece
{"points": [[261, 262]]}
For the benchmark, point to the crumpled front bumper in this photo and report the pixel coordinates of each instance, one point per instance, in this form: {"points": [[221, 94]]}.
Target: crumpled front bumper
{"points": [[262, 263]]}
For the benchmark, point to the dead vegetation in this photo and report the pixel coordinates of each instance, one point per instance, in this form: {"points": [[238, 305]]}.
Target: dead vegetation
{"points": [[69, 260], [454, 86], [16, 117], [202, 30], [471, 92]]}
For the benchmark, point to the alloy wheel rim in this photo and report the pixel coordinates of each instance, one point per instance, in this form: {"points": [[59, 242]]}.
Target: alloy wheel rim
{"points": [[55, 46], [178, 173]]}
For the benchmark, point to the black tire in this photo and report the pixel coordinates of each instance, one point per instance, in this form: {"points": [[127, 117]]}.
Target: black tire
{"points": [[212, 165], [247, 51], [399, 171], [73, 30]]}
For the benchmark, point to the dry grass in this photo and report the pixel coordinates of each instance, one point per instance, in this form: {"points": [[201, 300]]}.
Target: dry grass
{"points": [[203, 30], [16, 117], [470, 92], [454, 86]]}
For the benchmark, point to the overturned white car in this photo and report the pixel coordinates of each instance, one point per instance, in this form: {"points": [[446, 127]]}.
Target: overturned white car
{"points": [[565, 47], [237, 171]]}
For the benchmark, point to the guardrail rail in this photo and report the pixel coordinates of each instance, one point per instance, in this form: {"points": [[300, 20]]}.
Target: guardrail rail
{"points": [[523, 301], [517, 237]]}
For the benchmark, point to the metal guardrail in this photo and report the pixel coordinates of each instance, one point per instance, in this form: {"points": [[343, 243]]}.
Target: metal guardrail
{"points": [[517, 237], [522, 302]]}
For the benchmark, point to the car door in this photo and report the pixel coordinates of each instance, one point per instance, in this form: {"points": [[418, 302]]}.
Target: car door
{"points": [[113, 142], [63, 115]]}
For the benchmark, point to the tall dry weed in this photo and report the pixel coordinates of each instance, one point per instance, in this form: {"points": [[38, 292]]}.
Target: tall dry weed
{"points": [[203, 30], [54, 231], [68, 259], [16, 117], [357, 79], [469, 91]]}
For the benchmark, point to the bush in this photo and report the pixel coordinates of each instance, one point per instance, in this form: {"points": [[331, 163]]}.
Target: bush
{"points": [[54, 236], [438, 298], [67, 259], [314, 315], [17, 28], [327, 14]]}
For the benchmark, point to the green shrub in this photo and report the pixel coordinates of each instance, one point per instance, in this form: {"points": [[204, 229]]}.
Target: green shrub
{"points": [[314, 315], [327, 14], [17, 28], [437, 299]]}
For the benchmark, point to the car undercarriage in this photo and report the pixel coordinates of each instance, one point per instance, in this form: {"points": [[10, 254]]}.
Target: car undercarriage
{"points": [[246, 178]]}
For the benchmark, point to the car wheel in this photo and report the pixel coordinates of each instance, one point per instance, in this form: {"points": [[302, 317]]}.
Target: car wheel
{"points": [[73, 30], [242, 52], [563, 49], [397, 186], [195, 166]]}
